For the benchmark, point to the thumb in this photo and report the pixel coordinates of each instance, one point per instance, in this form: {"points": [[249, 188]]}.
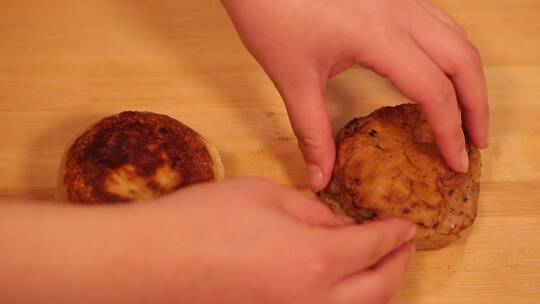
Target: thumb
{"points": [[304, 100], [306, 209]]}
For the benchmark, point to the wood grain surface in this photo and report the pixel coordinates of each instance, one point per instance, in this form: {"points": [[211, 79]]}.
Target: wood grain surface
{"points": [[65, 63]]}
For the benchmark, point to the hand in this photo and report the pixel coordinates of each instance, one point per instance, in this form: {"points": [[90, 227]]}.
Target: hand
{"points": [[421, 49], [243, 241], [249, 241]]}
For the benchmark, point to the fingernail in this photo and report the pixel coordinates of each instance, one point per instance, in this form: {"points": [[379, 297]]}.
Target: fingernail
{"points": [[411, 233], [315, 177], [485, 144], [464, 161], [413, 250]]}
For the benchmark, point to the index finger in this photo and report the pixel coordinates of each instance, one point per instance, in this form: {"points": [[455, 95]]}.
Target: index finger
{"points": [[379, 283], [422, 81], [462, 62], [357, 247]]}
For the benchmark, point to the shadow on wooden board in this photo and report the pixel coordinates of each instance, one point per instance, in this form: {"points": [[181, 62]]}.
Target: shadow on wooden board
{"points": [[228, 70], [231, 71], [54, 139]]}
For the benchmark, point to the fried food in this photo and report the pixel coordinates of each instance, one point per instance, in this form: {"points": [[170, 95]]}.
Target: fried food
{"points": [[388, 165], [134, 156]]}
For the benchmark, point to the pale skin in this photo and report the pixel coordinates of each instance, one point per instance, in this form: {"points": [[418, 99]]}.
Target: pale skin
{"points": [[417, 46], [241, 241], [248, 240]]}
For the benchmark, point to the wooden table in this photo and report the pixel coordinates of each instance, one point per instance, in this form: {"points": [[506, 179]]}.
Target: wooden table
{"points": [[65, 64]]}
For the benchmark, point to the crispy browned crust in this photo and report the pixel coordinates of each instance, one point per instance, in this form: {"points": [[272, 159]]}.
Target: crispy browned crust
{"points": [[135, 156], [388, 165]]}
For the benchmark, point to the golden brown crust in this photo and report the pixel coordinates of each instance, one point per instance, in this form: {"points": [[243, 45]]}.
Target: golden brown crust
{"points": [[388, 165], [135, 156]]}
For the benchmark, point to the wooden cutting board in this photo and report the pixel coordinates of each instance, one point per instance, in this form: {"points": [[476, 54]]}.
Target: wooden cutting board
{"points": [[65, 64]]}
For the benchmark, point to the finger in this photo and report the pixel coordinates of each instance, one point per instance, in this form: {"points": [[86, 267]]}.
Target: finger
{"points": [[378, 284], [299, 206], [357, 247], [461, 61], [421, 80], [443, 17], [304, 100], [312, 212]]}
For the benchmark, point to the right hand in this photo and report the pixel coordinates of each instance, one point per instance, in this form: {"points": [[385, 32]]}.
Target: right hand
{"points": [[416, 45], [250, 241]]}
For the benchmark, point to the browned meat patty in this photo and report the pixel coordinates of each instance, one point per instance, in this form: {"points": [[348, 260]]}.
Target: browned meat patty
{"points": [[388, 165], [136, 156]]}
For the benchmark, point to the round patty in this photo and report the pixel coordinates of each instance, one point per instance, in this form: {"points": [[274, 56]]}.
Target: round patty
{"points": [[388, 165], [135, 156]]}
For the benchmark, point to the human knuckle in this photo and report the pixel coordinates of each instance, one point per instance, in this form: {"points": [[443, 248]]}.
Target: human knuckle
{"points": [[309, 139], [473, 55], [443, 93]]}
